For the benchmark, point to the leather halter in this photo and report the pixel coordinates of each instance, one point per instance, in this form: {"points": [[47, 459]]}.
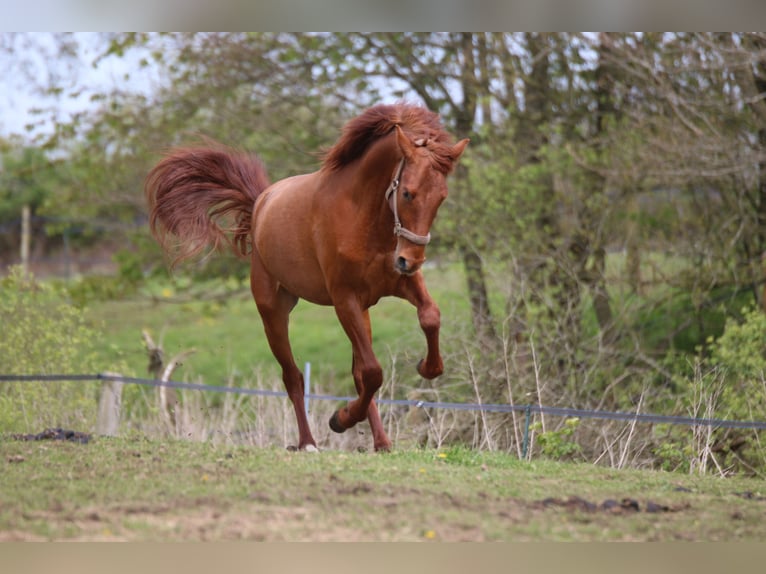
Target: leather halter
{"points": [[400, 231]]}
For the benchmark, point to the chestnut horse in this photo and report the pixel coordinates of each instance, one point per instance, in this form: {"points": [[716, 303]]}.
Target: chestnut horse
{"points": [[346, 235]]}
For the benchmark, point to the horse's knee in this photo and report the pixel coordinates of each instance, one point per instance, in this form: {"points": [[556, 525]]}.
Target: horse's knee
{"points": [[367, 375], [429, 318], [372, 377]]}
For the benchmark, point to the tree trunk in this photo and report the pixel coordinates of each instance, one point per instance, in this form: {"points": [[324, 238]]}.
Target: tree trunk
{"points": [[605, 111], [474, 266], [752, 81], [601, 304], [632, 248], [477, 293]]}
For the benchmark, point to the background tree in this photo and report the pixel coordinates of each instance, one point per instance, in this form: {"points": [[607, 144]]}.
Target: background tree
{"points": [[27, 177]]}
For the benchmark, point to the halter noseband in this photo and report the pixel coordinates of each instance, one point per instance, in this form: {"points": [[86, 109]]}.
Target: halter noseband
{"points": [[400, 231]]}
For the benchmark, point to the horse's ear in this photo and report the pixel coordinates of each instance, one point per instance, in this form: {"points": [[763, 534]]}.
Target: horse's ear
{"points": [[459, 148], [405, 145]]}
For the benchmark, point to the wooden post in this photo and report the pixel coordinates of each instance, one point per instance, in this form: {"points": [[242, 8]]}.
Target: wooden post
{"points": [[26, 227], [168, 398], [109, 408]]}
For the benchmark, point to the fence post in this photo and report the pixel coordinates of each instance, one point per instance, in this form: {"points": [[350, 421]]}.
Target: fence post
{"points": [[109, 407], [525, 444], [306, 385], [26, 232]]}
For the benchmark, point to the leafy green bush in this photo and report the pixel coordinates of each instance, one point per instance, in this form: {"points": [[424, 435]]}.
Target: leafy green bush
{"points": [[739, 356], [673, 450], [740, 353], [741, 350], [558, 444], [95, 288], [43, 334], [726, 380]]}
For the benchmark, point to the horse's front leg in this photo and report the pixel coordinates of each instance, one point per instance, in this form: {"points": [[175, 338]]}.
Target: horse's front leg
{"points": [[380, 439], [367, 372], [413, 289]]}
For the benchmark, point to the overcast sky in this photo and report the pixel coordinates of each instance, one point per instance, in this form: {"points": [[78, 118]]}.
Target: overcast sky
{"points": [[23, 71]]}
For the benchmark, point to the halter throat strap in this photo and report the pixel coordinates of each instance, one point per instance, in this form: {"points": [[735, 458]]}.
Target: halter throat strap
{"points": [[391, 194]]}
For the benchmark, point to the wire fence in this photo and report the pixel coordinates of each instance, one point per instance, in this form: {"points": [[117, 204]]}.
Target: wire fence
{"points": [[528, 409]]}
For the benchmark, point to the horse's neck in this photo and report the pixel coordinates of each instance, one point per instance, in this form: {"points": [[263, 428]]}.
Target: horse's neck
{"points": [[374, 173], [364, 184]]}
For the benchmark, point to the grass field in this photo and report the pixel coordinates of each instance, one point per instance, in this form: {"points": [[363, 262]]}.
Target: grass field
{"points": [[139, 490]]}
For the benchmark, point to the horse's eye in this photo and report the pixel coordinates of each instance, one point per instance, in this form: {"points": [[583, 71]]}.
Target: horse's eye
{"points": [[407, 195]]}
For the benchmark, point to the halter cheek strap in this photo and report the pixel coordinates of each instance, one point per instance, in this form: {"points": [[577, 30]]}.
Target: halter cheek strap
{"points": [[400, 231]]}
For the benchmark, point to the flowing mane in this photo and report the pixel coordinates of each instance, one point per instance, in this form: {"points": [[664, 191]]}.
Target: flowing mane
{"points": [[418, 123]]}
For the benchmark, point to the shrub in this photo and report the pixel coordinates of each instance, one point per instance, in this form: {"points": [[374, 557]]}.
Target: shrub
{"points": [[43, 334], [95, 288], [741, 349], [558, 444], [740, 353]]}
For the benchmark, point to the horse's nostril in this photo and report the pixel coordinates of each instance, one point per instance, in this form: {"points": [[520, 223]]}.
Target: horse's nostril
{"points": [[401, 264]]}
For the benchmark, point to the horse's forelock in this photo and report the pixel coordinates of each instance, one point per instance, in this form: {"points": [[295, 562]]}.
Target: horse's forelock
{"points": [[442, 159]]}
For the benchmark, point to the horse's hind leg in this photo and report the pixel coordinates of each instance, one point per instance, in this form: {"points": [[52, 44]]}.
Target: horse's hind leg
{"points": [[274, 305]]}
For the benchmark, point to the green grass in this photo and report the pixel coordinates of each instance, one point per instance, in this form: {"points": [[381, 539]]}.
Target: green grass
{"points": [[227, 333], [138, 489]]}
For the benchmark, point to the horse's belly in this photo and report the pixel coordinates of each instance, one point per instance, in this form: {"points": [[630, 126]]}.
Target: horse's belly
{"points": [[299, 276], [283, 238]]}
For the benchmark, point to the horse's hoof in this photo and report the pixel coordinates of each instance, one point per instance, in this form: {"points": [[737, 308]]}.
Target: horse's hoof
{"points": [[307, 448], [421, 370], [335, 423], [428, 374]]}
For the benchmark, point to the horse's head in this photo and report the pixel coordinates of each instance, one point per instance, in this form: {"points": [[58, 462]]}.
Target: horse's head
{"points": [[417, 190]]}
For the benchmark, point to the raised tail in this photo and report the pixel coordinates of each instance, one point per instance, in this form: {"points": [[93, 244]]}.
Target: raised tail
{"points": [[202, 197]]}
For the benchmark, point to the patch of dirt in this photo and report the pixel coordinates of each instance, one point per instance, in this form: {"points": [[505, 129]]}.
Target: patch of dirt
{"points": [[747, 495], [610, 506], [56, 434]]}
